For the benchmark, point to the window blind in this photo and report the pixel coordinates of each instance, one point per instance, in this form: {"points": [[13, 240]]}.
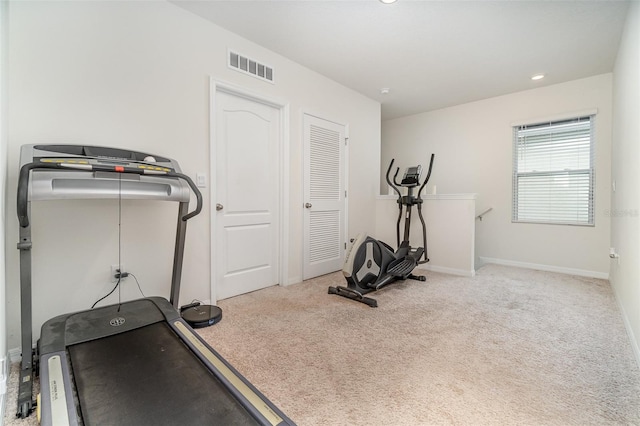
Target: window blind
{"points": [[553, 172]]}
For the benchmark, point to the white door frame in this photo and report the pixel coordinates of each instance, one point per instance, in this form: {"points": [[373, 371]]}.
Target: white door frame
{"points": [[216, 86]]}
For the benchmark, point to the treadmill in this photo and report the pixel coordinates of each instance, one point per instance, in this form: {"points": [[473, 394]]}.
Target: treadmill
{"points": [[136, 362]]}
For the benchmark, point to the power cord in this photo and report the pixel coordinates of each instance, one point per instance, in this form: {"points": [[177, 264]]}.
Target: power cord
{"points": [[120, 276], [134, 277], [119, 240], [109, 294], [193, 304]]}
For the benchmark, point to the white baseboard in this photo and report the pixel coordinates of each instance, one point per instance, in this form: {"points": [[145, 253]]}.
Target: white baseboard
{"points": [[446, 270], [5, 369], [627, 325], [548, 268], [3, 408], [15, 355], [294, 280]]}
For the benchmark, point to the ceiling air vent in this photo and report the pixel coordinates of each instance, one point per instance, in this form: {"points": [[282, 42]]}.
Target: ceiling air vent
{"points": [[249, 66]]}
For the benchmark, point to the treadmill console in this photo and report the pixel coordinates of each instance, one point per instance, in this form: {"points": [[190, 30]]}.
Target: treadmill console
{"points": [[80, 171], [73, 156]]}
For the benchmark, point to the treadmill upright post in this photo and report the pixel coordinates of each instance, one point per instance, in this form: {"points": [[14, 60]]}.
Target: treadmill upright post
{"points": [[178, 254], [25, 392]]}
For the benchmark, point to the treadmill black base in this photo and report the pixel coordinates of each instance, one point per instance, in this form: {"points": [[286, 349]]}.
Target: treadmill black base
{"points": [[139, 363], [151, 364]]}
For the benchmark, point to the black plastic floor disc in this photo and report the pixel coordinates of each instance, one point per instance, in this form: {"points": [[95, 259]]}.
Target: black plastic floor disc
{"points": [[202, 315]]}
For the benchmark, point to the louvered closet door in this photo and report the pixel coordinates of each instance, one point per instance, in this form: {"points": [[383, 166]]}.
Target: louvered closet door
{"points": [[324, 196]]}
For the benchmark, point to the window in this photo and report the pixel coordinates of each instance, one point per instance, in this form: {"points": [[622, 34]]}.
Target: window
{"points": [[553, 172]]}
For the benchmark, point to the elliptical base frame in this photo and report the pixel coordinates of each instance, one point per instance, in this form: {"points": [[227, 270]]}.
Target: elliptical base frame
{"points": [[371, 264]]}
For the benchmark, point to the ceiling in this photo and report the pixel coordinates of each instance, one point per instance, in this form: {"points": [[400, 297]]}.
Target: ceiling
{"points": [[431, 54]]}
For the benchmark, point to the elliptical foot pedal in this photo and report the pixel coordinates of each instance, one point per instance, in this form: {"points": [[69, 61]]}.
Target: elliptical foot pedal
{"points": [[200, 316], [403, 268]]}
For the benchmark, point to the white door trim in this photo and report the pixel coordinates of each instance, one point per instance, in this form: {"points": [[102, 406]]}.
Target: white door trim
{"points": [[216, 86]]}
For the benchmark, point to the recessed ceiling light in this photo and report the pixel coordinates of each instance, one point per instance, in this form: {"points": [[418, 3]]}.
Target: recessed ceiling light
{"points": [[385, 90], [388, 1], [537, 77]]}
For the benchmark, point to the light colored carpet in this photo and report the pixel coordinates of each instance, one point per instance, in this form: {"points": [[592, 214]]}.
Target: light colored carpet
{"points": [[509, 346]]}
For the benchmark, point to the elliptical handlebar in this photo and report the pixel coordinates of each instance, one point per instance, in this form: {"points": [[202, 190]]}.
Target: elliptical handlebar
{"points": [[391, 184], [428, 175], [395, 180], [394, 184], [409, 201]]}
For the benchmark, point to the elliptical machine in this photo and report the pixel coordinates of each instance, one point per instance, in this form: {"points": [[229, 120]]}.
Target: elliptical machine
{"points": [[372, 264]]}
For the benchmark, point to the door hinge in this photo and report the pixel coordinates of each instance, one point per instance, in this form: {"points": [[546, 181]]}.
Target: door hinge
{"points": [[346, 141], [345, 193]]}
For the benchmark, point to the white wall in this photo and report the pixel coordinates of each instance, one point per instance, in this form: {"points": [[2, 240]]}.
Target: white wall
{"points": [[136, 75], [4, 19], [473, 148], [450, 227], [625, 201]]}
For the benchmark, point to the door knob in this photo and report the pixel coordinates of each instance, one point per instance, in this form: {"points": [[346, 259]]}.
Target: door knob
{"points": [[219, 206], [308, 205]]}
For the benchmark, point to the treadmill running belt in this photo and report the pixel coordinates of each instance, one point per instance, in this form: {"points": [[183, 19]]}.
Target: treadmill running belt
{"points": [[148, 376]]}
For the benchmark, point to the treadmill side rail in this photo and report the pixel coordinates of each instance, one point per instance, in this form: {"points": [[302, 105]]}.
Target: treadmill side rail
{"points": [[57, 404], [251, 398]]}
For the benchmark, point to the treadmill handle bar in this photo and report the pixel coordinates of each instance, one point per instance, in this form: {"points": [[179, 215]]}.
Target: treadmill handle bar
{"points": [[23, 184]]}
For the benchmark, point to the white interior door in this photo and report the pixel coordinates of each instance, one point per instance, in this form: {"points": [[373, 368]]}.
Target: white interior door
{"points": [[324, 196], [246, 195]]}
